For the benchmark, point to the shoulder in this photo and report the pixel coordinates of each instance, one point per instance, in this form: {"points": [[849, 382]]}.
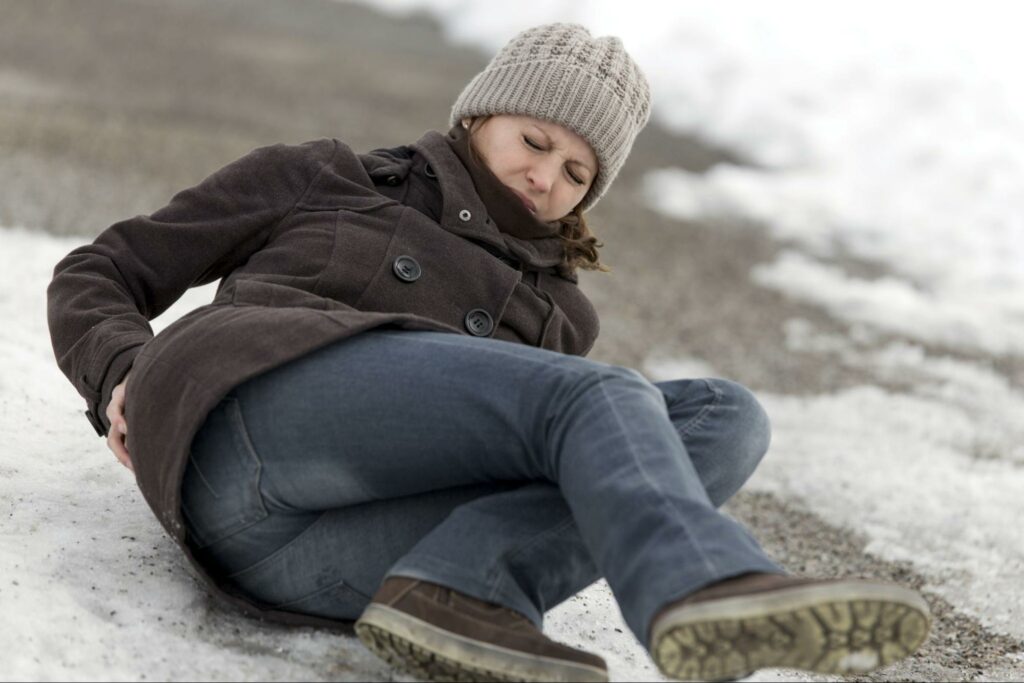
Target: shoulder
{"points": [[327, 162], [321, 149], [278, 164]]}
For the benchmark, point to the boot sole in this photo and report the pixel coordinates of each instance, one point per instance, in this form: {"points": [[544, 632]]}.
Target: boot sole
{"points": [[434, 654], [834, 628]]}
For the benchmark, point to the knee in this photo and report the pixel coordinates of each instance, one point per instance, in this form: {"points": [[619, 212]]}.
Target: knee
{"points": [[588, 375], [633, 381], [585, 387], [750, 427]]}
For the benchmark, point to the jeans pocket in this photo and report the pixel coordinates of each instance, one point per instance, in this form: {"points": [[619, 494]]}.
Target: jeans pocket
{"points": [[220, 493]]}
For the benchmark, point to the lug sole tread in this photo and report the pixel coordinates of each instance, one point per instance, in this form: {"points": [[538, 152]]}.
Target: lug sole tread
{"points": [[438, 657], [829, 637]]}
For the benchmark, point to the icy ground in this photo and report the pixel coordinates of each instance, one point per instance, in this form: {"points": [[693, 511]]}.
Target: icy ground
{"points": [[90, 586]]}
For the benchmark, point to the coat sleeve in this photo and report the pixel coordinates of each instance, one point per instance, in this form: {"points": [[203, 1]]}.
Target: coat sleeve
{"points": [[103, 295], [572, 324]]}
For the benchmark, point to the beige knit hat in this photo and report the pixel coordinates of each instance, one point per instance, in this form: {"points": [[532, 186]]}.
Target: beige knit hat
{"points": [[559, 72]]}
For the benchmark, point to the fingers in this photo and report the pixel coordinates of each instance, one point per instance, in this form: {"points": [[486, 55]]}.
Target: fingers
{"points": [[117, 441], [116, 406]]}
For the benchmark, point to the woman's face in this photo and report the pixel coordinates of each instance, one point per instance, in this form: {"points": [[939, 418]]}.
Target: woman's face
{"points": [[549, 166]]}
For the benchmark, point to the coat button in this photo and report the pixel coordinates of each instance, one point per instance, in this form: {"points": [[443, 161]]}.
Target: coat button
{"points": [[465, 215], [407, 269], [429, 171], [393, 180], [479, 322]]}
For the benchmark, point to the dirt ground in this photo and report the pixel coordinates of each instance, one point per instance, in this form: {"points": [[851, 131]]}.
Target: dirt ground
{"points": [[109, 107]]}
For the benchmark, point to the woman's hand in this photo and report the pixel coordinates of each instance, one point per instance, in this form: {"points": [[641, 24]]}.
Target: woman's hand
{"points": [[117, 439]]}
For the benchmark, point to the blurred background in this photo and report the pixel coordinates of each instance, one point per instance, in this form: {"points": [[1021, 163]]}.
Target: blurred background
{"points": [[827, 206]]}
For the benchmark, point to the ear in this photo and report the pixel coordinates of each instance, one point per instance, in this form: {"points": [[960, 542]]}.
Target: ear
{"points": [[466, 121]]}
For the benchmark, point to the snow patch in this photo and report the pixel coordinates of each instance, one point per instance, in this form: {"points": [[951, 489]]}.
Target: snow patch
{"points": [[865, 660], [892, 133]]}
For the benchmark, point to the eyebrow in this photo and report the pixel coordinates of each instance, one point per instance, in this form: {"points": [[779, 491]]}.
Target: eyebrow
{"points": [[578, 162]]}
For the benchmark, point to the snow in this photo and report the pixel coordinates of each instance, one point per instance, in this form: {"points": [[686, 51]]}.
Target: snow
{"points": [[891, 132], [931, 475], [888, 132], [89, 582], [953, 320]]}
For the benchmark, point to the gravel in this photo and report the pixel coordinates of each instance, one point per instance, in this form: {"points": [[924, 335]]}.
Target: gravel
{"points": [[112, 106]]}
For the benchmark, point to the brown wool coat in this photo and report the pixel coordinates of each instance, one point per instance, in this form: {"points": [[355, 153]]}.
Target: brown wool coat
{"points": [[307, 241]]}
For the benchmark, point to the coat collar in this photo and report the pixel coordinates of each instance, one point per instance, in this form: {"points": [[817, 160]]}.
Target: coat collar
{"points": [[504, 206], [459, 196]]}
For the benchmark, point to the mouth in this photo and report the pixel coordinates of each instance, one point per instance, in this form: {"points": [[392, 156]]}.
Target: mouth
{"points": [[529, 205]]}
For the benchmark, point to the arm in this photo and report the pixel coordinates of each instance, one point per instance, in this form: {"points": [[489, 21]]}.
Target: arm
{"points": [[104, 294], [572, 325]]}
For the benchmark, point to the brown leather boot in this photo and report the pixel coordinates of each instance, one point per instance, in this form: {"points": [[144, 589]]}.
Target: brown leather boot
{"points": [[441, 634], [734, 627]]}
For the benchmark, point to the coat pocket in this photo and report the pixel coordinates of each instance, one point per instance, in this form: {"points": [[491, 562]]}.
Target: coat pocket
{"points": [[220, 494], [259, 293]]}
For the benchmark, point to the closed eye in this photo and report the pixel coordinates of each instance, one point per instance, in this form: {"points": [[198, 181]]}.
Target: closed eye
{"points": [[575, 178], [532, 144]]}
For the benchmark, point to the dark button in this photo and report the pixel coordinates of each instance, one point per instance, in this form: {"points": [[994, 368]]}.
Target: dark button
{"points": [[96, 424], [479, 322], [407, 269], [429, 171], [393, 180]]}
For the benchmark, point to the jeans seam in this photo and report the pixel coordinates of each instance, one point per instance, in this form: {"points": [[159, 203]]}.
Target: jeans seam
{"points": [[340, 583], [236, 419], [280, 550], [705, 412], [562, 524], [202, 477], [237, 429], [663, 500], [496, 571]]}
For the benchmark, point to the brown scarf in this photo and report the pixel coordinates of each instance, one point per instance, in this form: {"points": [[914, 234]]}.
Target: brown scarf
{"points": [[504, 206]]}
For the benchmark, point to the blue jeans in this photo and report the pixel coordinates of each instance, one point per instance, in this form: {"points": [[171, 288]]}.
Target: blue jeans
{"points": [[514, 474]]}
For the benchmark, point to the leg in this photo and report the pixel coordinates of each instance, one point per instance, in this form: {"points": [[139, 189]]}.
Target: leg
{"points": [[329, 563], [413, 419], [527, 551], [759, 620], [724, 429], [330, 567]]}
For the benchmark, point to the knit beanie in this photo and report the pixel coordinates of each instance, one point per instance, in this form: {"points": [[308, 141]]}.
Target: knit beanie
{"points": [[560, 73]]}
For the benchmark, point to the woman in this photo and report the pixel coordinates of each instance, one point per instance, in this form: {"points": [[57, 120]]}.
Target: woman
{"points": [[386, 414]]}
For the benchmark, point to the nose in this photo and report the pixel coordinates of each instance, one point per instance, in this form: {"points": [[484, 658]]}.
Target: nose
{"points": [[541, 176]]}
